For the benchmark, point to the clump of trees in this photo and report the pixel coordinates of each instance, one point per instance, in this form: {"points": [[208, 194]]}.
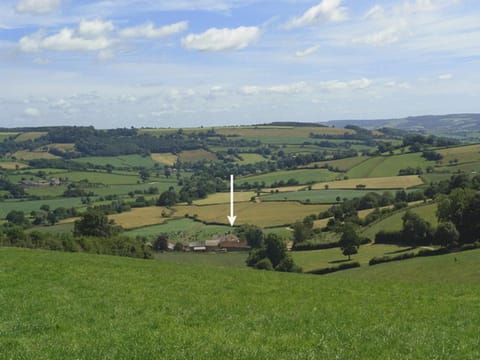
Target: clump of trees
{"points": [[272, 255]]}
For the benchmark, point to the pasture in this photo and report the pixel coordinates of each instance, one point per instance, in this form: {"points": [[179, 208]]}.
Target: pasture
{"points": [[385, 166], [223, 198], [122, 161], [12, 165], [394, 221], [395, 182], [7, 135], [98, 177], [31, 135], [250, 158], [196, 155], [140, 217], [342, 164], [195, 229], [31, 205], [164, 158], [317, 196], [64, 305], [269, 214], [33, 155], [303, 176], [318, 259], [461, 154]]}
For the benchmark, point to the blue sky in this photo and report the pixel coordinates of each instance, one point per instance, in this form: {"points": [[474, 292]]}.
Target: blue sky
{"points": [[179, 63]]}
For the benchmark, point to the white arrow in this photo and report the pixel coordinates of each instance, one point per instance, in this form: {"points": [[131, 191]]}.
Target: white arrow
{"points": [[232, 217]]}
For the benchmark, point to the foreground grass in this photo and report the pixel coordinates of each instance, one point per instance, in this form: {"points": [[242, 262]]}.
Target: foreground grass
{"points": [[57, 305]]}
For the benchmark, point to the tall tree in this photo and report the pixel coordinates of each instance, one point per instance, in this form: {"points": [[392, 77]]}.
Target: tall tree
{"points": [[350, 241]]}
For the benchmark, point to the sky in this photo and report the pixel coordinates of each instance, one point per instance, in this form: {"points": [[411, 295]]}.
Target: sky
{"points": [[188, 63]]}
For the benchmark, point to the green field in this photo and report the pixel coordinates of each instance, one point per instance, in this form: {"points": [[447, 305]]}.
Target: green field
{"points": [[195, 228], [31, 205], [61, 305], [304, 176], [394, 222], [250, 158], [101, 177], [318, 259], [124, 161], [382, 166], [6, 135], [317, 196], [343, 164], [462, 154]]}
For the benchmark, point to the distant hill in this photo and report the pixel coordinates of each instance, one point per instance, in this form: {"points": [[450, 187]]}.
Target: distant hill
{"points": [[453, 123]]}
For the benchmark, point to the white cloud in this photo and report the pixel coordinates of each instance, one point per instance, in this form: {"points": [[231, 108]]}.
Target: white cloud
{"points": [[445, 77], [41, 61], [293, 88], [37, 6], [94, 28], [222, 39], [308, 51], [149, 31], [355, 84], [105, 54], [325, 11], [32, 112], [389, 35], [376, 12], [66, 40]]}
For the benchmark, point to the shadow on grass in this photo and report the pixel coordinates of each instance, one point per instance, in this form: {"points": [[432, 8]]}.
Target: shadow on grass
{"points": [[400, 251], [338, 261]]}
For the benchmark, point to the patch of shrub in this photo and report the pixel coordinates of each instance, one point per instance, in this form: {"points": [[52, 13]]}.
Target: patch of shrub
{"points": [[332, 269], [264, 264]]}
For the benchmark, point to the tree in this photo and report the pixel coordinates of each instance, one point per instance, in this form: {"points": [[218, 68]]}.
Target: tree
{"points": [[447, 234], [301, 231], [275, 249], [161, 243], [252, 234], [144, 174], [17, 217], [416, 231], [167, 198], [349, 242], [94, 223]]}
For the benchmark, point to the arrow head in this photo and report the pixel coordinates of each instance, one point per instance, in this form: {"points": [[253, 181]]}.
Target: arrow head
{"points": [[232, 219]]}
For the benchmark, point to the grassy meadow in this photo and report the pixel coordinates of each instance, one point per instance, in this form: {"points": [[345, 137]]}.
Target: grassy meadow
{"points": [[385, 166], [63, 305], [394, 182], [303, 176]]}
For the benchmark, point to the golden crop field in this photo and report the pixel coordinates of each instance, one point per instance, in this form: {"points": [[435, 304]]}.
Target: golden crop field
{"points": [[164, 158], [222, 198], [261, 214], [196, 155], [32, 155], [140, 217], [30, 135], [392, 182], [463, 154], [12, 165]]}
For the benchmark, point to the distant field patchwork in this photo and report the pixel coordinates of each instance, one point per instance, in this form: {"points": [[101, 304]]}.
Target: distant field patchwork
{"points": [[164, 158], [140, 217], [303, 176]]}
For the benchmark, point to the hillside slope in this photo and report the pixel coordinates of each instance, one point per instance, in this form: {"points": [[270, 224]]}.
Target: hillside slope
{"points": [[58, 305]]}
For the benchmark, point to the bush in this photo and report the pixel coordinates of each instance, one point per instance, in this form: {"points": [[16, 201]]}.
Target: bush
{"points": [[264, 264], [334, 268], [384, 259]]}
